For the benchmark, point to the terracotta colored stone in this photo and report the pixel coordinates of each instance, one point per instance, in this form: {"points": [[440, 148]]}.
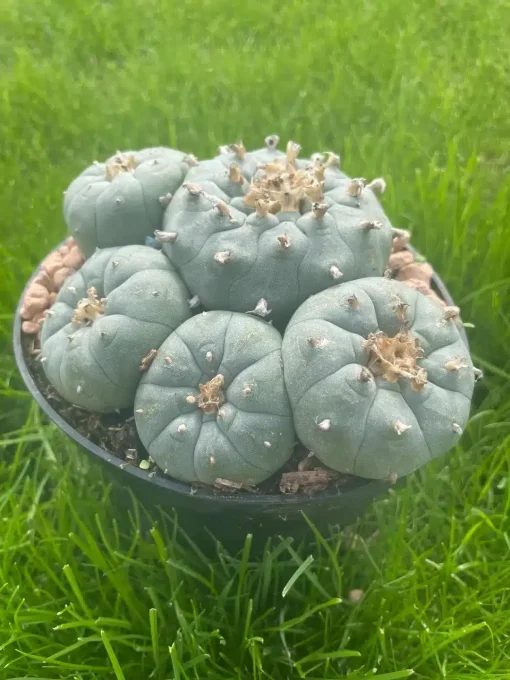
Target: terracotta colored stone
{"points": [[44, 279], [73, 259], [424, 288], [400, 259], [61, 275], [30, 327], [37, 290], [416, 270], [52, 263], [43, 290], [34, 306], [401, 240]]}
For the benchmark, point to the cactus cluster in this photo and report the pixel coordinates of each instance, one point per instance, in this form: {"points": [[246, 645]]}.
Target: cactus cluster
{"points": [[263, 316]]}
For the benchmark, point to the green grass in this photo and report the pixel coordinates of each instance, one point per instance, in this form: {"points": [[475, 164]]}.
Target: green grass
{"points": [[417, 92]]}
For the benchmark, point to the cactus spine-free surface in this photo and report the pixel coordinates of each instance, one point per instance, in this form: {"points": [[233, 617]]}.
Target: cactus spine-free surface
{"points": [[267, 226], [379, 377], [213, 404], [121, 201], [120, 305]]}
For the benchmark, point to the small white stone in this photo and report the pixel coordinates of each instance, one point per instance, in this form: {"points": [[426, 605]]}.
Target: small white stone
{"points": [[457, 428], [356, 595], [324, 425], [267, 444], [209, 356], [182, 428], [139, 411]]}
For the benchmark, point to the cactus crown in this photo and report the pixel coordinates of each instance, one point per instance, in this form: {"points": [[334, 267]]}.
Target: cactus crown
{"points": [[395, 357], [279, 186], [121, 162], [88, 309], [211, 394]]}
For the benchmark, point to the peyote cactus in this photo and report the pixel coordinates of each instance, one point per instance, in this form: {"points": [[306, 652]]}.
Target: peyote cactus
{"points": [[121, 201], [373, 375], [120, 305], [308, 227], [213, 404], [379, 377]]}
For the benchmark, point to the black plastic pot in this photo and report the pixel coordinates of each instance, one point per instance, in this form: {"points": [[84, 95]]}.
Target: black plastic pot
{"points": [[201, 512]]}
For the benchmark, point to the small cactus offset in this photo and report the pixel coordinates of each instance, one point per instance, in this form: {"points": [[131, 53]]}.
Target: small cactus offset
{"points": [[379, 377], [213, 404], [265, 225], [118, 307], [121, 201]]}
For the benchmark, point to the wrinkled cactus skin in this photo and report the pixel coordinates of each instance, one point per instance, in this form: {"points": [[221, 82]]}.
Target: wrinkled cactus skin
{"points": [[353, 418], [103, 209], [231, 255], [96, 364], [249, 434]]}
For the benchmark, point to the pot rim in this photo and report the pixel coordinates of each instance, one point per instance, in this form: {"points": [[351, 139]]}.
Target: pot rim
{"points": [[167, 483]]}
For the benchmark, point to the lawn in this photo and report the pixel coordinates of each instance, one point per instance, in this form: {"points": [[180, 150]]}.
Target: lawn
{"points": [[417, 92]]}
